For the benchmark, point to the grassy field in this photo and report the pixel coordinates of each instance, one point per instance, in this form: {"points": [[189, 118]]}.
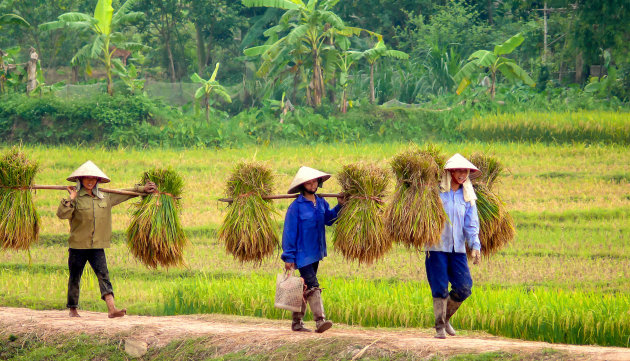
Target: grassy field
{"points": [[564, 279], [570, 127]]}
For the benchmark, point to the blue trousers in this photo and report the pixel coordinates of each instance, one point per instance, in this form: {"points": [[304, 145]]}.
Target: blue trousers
{"points": [[445, 267], [309, 273]]}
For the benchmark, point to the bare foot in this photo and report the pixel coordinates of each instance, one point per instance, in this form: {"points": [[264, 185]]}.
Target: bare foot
{"points": [[74, 313], [117, 313]]}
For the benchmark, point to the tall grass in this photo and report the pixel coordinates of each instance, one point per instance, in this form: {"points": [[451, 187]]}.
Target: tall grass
{"points": [[583, 126], [535, 314]]}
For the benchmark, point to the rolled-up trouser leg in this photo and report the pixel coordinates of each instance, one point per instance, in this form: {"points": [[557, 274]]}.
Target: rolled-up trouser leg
{"points": [[99, 265], [76, 264]]}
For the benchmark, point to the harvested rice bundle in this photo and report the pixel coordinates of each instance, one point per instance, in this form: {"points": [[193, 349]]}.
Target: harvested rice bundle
{"points": [[155, 235], [19, 225], [360, 233], [496, 224], [416, 216], [490, 167], [248, 231]]}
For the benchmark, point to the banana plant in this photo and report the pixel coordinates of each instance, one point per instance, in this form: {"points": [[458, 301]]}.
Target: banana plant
{"points": [[106, 26], [9, 72], [304, 31], [494, 62], [374, 54], [345, 60], [209, 87], [13, 19], [8, 56], [129, 75], [601, 85], [42, 87]]}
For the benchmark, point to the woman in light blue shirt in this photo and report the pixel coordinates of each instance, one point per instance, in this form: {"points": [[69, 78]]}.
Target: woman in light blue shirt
{"points": [[446, 262]]}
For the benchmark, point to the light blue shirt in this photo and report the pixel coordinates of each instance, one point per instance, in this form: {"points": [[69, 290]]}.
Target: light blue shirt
{"points": [[461, 226]]}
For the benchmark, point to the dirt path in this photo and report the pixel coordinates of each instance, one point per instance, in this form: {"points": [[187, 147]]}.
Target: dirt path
{"points": [[252, 332]]}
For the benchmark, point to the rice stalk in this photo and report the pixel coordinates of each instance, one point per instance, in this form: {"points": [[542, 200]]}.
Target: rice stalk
{"points": [[155, 235], [416, 216], [360, 233], [19, 225], [248, 231], [496, 227], [490, 167]]}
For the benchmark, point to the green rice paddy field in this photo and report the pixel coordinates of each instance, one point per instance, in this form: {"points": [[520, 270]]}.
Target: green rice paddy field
{"points": [[565, 278]]}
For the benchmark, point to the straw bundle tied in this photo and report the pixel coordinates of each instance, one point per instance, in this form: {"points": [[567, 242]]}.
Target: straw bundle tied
{"points": [[495, 223], [360, 234], [416, 217], [248, 231], [19, 226], [155, 235]]}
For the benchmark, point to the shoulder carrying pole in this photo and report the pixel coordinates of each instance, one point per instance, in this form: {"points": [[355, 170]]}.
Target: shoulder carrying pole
{"points": [[286, 196], [63, 188]]}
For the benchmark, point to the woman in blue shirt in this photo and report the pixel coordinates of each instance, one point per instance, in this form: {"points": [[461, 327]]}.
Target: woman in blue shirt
{"points": [[446, 262], [304, 240]]}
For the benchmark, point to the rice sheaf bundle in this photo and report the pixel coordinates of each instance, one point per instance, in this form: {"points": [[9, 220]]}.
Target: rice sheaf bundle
{"points": [[416, 217], [155, 235], [495, 223], [19, 225], [360, 233], [248, 231]]}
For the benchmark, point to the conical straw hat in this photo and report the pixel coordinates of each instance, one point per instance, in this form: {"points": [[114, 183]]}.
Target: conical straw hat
{"points": [[88, 169], [305, 174], [459, 162]]}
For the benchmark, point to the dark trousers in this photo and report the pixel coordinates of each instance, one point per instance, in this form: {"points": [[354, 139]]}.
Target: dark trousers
{"points": [[445, 267], [309, 273], [76, 263]]}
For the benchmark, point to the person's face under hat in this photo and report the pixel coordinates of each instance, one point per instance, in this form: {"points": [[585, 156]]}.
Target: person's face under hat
{"points": [[459, 175], [311, 186], [89, 182]]}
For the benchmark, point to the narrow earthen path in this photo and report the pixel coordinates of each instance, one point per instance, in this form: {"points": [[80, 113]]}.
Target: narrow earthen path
{"points": [[246, 331]]}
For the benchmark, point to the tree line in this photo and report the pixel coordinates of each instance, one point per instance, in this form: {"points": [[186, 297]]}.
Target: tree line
{"points": [[311, 52]]}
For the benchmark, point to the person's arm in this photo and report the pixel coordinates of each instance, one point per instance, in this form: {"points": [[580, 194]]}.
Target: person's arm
{"points": [[330, 215], [66, 208], [116, 199], [290, 236], [471, 227]]}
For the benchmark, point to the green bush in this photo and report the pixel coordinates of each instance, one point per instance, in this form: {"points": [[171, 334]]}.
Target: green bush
{"points": [[138, 121], [51, 120]]}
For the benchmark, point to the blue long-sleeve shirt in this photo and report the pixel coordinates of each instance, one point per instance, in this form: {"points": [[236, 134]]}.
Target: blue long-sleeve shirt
{"points": [[304, 235], [461, 226]]}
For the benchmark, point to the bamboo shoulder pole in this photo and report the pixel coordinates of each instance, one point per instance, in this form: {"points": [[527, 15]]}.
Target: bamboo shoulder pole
{"points": [[287, 196], [116, 191]]}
